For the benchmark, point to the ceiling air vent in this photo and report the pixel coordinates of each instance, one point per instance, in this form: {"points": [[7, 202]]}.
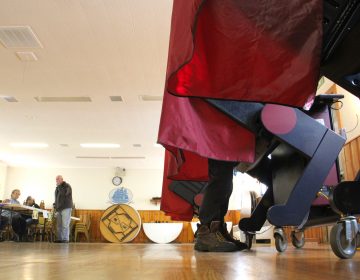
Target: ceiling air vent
{"points": [[19, 37], [136, 145], [9, 98], [150, 97], [116, 98], [62, 99]]}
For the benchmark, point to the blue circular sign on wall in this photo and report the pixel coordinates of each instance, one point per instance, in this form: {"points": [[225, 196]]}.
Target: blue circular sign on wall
{"points": [[120, 196]]}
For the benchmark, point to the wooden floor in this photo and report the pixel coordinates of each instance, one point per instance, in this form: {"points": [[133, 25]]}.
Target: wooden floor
{"points": [[169, 261]]}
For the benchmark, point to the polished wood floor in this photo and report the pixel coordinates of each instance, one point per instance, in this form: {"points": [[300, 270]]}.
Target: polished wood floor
{"points": [[42, 260]]}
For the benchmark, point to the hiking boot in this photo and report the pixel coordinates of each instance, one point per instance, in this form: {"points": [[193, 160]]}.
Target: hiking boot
{"points": [[15, 237], [240, 245], [210, 239]]}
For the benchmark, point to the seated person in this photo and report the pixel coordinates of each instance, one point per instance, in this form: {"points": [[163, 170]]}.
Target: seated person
{"points": [[18, 222], [3, 220], [30, 201]]}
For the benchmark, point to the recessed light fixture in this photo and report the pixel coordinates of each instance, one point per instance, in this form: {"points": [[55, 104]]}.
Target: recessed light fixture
{"points": [[26, 56], [127, 157], [9, 98], [107, 157], [99, 145], [150, 97], [116, 98], [157, 145], [62, 98], [29, 145]]}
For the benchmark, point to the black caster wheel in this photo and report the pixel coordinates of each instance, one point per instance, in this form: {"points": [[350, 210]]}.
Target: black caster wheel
{"points": [[249, 239], [342, 247], [298, 239], [280, 242]]}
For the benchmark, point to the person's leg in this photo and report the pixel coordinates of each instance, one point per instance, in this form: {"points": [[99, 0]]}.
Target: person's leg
{"points": [[59, 226], [30, 227], [217, 192], [3, 222], [23, 230], [214, 207], [18, 224], [66, 218]]}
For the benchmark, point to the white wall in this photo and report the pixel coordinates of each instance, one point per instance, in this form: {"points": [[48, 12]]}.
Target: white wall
{"points": [[90, 186], [240, 198], [350, 113], [3, 173]]}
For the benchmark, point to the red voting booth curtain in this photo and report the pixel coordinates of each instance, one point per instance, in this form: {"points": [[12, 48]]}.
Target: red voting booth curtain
{"points": [[264, 51]]}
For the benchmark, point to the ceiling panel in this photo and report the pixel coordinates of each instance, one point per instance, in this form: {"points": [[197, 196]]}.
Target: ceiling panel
{"points": [[94, 49]]}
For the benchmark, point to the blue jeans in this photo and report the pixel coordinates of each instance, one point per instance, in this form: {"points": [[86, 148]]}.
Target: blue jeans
{"points": [[63, 223]]}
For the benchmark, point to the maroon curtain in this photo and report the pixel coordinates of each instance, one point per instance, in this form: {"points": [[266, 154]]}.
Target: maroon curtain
{"points": [[260, 50]]}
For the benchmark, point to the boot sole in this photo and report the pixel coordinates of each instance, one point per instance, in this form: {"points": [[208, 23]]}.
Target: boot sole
{"points": [[204, 248]]}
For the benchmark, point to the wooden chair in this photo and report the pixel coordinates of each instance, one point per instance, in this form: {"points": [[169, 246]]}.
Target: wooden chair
{"points": [[45, 230], [32, 231], [72, 225], [83, 226], [6, 233]]}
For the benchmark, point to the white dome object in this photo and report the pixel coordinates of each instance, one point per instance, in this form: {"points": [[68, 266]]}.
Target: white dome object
{"points": [[162, 232]]}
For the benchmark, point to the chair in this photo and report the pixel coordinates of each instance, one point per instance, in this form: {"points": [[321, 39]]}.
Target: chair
{"points": [[6, 232], [44, 229], [83, 226], [72, 224], [32, 231]]}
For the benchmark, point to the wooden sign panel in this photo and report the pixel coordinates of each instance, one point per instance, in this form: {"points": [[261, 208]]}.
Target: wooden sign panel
{"points": [[120, 223]]}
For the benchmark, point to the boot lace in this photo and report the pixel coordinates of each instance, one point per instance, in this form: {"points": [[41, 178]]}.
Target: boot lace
{"points": [[219, 236]]}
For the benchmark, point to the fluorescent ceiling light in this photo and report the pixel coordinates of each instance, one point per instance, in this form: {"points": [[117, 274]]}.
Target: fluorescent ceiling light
{"points": [[9, 98], [26, 56], [99, 145], [29, 145], [157, 145], [107, 157], [116, 98], [20, 160], [151, 97], [62, 99]]}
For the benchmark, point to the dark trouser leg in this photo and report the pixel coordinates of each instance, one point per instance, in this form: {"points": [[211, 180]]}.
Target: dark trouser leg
{"points": [[19, 225], [217, 192], [3, 222], [212, 235]]}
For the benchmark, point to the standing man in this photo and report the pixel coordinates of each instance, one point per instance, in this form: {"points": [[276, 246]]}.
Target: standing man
{"points": [[63, 206]]}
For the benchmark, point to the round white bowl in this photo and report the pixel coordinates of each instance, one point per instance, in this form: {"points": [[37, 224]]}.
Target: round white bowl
{"points": [[162, 232]]}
